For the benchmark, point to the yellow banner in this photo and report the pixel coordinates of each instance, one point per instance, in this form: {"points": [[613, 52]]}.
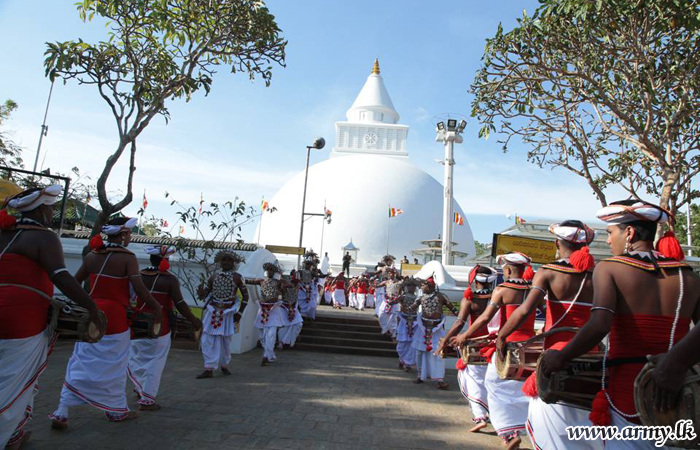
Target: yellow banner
{"points": [[410, 269], [286, 250], [540, 251]]}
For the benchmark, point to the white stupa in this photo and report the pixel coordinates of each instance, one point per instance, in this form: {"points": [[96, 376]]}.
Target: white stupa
{"points": [[367, 173]]}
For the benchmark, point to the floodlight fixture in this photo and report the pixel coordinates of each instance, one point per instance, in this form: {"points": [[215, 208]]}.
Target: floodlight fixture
{"points": [[451, 124], [462, 126], [441, 126]]}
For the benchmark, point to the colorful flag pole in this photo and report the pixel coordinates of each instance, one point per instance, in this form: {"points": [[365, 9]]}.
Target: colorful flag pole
{"points": [[201, 202]]}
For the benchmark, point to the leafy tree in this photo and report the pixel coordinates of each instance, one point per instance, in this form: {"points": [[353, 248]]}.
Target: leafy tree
{"points": [[159, 51], [10, 153], [481, 249], [605, 89], [682, 226]]}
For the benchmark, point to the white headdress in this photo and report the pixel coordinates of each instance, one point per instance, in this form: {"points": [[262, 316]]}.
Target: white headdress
{"points": [[573, 234], [33, 200], [514, 258], [640, 211], [113, 230], [160, 250]]}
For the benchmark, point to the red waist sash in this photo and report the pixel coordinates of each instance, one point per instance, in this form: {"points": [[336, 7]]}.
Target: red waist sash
{"points": [[23, 313], [112, 297], [634, 336]]}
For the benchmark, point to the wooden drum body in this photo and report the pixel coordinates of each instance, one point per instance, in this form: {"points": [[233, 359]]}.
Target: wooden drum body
{"points": [[471, 352], [520, 360], [71, 321], [577, 384], [143, 325], [182, 327], [687, 408]]}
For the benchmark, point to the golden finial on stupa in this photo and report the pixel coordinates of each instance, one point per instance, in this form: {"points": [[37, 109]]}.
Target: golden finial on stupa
{"points": [[375, 67]]}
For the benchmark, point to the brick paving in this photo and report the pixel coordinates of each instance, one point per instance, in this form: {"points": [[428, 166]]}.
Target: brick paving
{"points": [[305, 400]]}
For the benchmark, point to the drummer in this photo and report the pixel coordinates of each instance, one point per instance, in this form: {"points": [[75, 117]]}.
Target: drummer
{"points": [[507, 403], [471, 378], [567, 286], [31, 263], [644, 298], [96, 373], [147, 357], [430, 328], [222, 312]]}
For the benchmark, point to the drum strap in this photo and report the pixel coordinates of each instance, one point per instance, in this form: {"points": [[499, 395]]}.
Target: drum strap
{"points": [[97, 278], [598, 365], [12, 241], [573, 302]]}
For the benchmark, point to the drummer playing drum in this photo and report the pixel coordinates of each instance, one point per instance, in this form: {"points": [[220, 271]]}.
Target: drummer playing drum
{"points": [[644, 298], [567, 286], [31, 263]]}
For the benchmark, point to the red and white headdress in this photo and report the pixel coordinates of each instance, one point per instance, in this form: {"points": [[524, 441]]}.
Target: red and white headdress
{"points": [[24, 202], [575, 235], [640, 211], [160, 250], [113, 230], [482, 277], [514, 258]]}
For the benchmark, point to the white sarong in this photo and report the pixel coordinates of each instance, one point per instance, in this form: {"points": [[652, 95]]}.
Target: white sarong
{"points": [[620, 422], [369, 301], [147, 358], [379, 295], [507, 404], [217, 334], [546, 426], [21, 363], [267, 327], [428, 365], [328, 297], [339, 297], [96, 375], [473, 387], [404, 341], [288, 333], [307, 308], [387, 317], [361, 301]]}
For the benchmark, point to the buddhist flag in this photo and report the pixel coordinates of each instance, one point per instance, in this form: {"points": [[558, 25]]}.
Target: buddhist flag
{"points": [[264, 205], [145, 201], [201, 202], [327, 211], [393, 212], [519, 220], [182, 229], [459, 220]]}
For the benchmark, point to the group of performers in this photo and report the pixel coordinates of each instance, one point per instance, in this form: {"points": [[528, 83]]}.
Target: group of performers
{"points": [[643, 298]]}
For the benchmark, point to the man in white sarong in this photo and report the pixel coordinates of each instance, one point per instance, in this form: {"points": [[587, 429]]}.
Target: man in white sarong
{"points": [[362, 290], [270, 315], [223, 310], [307, 291], [508, 405], [430, 328], [389, 305], [292, 320], [339, 291], [31, 263], [407, 327], [96, 373], [147, 357]]}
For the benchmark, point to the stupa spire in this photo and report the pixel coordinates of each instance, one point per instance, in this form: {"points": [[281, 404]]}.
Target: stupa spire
{"points": [[375, 67]]}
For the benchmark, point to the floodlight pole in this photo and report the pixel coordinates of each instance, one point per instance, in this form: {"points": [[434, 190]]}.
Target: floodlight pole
{"points": [[303, 204], [44, 129], [448, 138]]}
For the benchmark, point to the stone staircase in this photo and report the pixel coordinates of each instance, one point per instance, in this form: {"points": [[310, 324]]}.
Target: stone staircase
{"points": [[345, 331]]}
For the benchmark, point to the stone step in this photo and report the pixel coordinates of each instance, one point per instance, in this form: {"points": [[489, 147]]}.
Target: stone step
{"points": [[370, 320], [375, 328], [343, 342], [342, 333], [346, 350]]}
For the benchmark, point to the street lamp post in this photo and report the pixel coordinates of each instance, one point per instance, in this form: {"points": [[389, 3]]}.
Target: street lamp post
{"points": [[448, 136], [318, 144]]}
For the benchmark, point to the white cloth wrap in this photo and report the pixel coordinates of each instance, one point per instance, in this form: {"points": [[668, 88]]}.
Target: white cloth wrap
{"points": [[328, 297], [546, 426], [473, 387], [23, 360], [228, 325], [369, 300], [339, 297], [216, 350], [96, 375], [276, 318], [361, 301], [46, 196], [619, 214], [147, 358], [268, 338], [404, 341], [428, 365], [379, 295], [307, 308], [387, 316], [507, 404]]}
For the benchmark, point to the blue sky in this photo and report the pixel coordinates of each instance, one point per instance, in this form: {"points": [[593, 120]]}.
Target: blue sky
{"points": [[247, 140]]}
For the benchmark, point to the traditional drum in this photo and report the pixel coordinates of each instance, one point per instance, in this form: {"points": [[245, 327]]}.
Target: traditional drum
{"points": [[471, 352], [71, 321], [447, 351], [183, 328], [143, 325], [687, 408], [577, 384], [521, 358]]}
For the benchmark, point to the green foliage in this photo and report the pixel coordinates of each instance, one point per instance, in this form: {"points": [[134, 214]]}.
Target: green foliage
{"points": [[482, 249], [10, 153], [682, 226], [607, 90], [158, 51]]}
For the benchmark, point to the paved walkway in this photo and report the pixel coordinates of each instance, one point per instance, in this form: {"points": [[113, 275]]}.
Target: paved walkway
{"points": [[304, 401]]}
